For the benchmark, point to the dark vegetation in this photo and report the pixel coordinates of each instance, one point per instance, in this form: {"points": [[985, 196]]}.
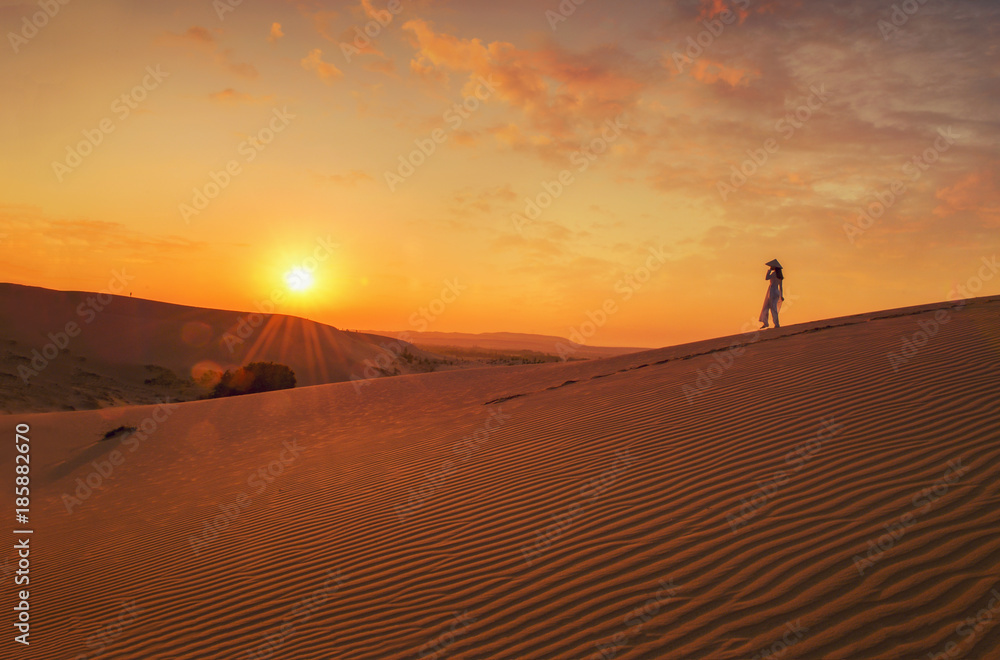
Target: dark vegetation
{"points": [[253, 378], [492, 356], [121, 430]]}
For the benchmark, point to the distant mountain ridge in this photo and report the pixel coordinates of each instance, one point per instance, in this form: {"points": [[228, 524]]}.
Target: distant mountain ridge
{"points": [[511, 341]]}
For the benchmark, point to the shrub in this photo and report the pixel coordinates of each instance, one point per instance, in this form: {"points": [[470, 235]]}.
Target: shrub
{"points": [[121, 430], [254, 377]]}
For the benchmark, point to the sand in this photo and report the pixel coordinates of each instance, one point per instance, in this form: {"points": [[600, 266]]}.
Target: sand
{"points": [[650, 505], [123, 350]]}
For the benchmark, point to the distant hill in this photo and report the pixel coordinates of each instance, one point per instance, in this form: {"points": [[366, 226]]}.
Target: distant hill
{"points": [[136, 351], [511, 341]]}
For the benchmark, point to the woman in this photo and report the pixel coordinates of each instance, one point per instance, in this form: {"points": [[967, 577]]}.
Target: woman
{"points": [[775, 293]]}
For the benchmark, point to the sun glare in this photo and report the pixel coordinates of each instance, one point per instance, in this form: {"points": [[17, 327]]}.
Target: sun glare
{"points": [[298, 279]]}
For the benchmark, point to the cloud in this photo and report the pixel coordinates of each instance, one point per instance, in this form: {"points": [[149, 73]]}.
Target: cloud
{"points": [[322, 19], [466, 202], [386, 67], [199, 34], [711, 9], [82, 241], [370, 11], [202, 40], [231, 96], [350, 178], [707, 71], [323, 22], [354, 42], [326, 71], [975, 193], [276, 33], [562, 95]]}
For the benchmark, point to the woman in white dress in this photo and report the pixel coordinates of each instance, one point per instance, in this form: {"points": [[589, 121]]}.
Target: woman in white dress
{"points": [[775, 293]]}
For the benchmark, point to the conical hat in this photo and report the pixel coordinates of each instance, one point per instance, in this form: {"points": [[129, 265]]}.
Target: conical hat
{"points": [[773, 263]]}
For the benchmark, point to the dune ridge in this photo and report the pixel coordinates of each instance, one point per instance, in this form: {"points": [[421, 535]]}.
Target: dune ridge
{"points": [[730, 519], [130, 350]]}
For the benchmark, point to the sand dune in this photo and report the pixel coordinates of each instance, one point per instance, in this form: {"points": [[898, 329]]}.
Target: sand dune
{"points": [[829, 490], [117, 344]]}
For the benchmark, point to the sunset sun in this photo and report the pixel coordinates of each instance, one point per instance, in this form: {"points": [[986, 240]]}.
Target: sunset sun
{"points": [[299, 279]]}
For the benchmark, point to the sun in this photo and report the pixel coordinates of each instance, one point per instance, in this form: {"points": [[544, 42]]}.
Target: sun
{"points": [[298, 279]]}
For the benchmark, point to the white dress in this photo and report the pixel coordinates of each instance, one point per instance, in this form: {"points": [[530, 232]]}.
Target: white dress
{"points": [[772, 299]]}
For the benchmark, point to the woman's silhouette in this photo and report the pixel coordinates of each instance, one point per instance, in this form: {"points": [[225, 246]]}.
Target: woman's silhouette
{"points": [[775, 293]]}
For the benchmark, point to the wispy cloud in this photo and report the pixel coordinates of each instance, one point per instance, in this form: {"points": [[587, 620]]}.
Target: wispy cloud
{"points": [[276, 33], [201, 40], [350, 178], [230, 96], [326, 71]]}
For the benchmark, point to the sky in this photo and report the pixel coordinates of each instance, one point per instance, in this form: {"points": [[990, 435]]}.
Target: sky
{"points": [[619, 170]]}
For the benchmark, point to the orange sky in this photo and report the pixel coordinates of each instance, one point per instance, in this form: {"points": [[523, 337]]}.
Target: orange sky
{"points": [[407, 162]]}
